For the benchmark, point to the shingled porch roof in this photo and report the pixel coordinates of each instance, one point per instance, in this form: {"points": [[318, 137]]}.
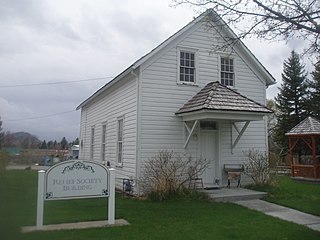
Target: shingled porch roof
{"points": [[217, 98]]}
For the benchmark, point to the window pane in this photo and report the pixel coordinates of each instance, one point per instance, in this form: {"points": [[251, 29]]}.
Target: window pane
{"points": [[120, 141], [92, 135], [120, 129], [103, 152], [227, 71], [208, 125], [192, 64], [187, 67], [104, 129], [120, 152]]}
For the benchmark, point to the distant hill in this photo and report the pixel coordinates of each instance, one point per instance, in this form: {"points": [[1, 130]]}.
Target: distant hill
{"points": [[21, 139]]}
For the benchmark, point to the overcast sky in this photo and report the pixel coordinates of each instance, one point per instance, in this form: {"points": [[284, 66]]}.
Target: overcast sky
{"points": [[52, 41]]}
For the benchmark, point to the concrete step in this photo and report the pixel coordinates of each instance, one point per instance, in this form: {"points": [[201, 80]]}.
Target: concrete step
{"points": [[233, 194]]}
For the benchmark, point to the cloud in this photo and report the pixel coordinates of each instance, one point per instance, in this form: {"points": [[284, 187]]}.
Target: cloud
{"points": [[56, 41]]}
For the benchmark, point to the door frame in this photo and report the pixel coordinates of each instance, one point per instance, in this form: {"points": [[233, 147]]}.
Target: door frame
{"points": [[217, 171]]}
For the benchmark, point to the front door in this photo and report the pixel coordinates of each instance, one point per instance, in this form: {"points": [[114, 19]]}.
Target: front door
{"points": [[208, 151]]}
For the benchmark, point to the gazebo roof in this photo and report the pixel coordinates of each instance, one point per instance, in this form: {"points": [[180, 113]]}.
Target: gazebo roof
{"points": [[309, 126]]}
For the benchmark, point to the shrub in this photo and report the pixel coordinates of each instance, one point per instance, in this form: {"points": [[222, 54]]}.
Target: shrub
{"points": [[257, 167], [169, 173]]}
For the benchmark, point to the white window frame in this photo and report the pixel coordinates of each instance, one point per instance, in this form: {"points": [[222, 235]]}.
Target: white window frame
{"points": [[234, 70], [196, 68], [103, 141], [120, 140], [92, 133]]}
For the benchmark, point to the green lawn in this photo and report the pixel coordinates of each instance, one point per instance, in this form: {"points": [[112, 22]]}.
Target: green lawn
{"points": [[174, 219], [298, 195]]}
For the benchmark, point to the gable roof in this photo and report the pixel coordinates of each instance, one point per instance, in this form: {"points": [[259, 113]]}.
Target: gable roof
{"points": [[217, 97], [202, 18], [308, 126]]}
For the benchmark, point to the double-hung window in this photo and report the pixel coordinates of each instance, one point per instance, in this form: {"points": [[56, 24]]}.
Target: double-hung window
{"points": [[187, 72], [227, 75], [120, 142], [92, 143], [103, 142]]}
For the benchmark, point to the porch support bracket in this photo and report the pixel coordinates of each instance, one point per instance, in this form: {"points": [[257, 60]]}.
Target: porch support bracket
{"points": [[190, 132], [240, 133]]}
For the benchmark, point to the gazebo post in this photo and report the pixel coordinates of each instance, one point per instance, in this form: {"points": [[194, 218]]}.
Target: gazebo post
{"points": [[314, 157], [291, 157]]}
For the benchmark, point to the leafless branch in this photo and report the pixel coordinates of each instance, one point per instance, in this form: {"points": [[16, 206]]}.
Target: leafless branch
{"points": [[268, 19]]}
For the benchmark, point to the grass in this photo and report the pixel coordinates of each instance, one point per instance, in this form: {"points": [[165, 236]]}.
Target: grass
{"points": [[174, 219], [298, 195]]}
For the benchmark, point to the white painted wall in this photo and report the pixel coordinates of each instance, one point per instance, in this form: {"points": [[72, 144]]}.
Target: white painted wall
{"points": [[162, 97], [119, 100], [149, 103]]}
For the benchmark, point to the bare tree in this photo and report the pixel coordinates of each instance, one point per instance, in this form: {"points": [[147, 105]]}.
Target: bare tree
{"points": [[269, 19]]}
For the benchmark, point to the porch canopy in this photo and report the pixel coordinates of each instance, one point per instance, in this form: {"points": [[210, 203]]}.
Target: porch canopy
{"points": [[218, 102], [304, 141]]}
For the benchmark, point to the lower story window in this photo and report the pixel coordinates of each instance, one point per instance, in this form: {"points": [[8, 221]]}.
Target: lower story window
{"points": [[92, 144], [120, 142]]}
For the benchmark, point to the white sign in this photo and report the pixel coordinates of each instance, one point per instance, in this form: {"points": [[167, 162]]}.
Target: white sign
{"points": [[76, 179]]}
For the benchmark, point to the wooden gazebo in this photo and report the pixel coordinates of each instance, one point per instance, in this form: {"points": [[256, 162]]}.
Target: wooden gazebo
{"points": [[304, 140]]}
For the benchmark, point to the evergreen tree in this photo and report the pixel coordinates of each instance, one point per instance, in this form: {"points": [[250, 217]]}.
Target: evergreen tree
{"points": [[50, 145], [1, 135], [315, 92], [55, 145], [44, 145], [64, 143], [76, 142], [291, 100]]}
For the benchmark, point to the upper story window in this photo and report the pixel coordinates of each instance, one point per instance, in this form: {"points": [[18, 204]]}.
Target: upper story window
{"points": [[187, 72], [227, 71]]}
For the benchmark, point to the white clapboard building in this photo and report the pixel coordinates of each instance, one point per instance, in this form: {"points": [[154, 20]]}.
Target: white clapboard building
{"points": [[185, 95]]}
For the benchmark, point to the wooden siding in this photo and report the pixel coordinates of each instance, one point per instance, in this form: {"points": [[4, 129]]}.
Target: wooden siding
{"points": [[161, 97], [118, 101]]}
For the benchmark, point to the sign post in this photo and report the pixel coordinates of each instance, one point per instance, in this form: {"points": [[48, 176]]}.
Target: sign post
{"points": [[40, 199], [76, 179], [111, 200]]}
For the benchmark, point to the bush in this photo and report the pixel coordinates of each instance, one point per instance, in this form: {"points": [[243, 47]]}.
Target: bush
{"points": [[168, 174], [257, 167], [3, 161]]}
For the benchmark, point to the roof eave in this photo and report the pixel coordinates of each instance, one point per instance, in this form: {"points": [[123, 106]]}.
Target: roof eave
{"points": [[303, 134], [106, 86], [223, 115]]}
